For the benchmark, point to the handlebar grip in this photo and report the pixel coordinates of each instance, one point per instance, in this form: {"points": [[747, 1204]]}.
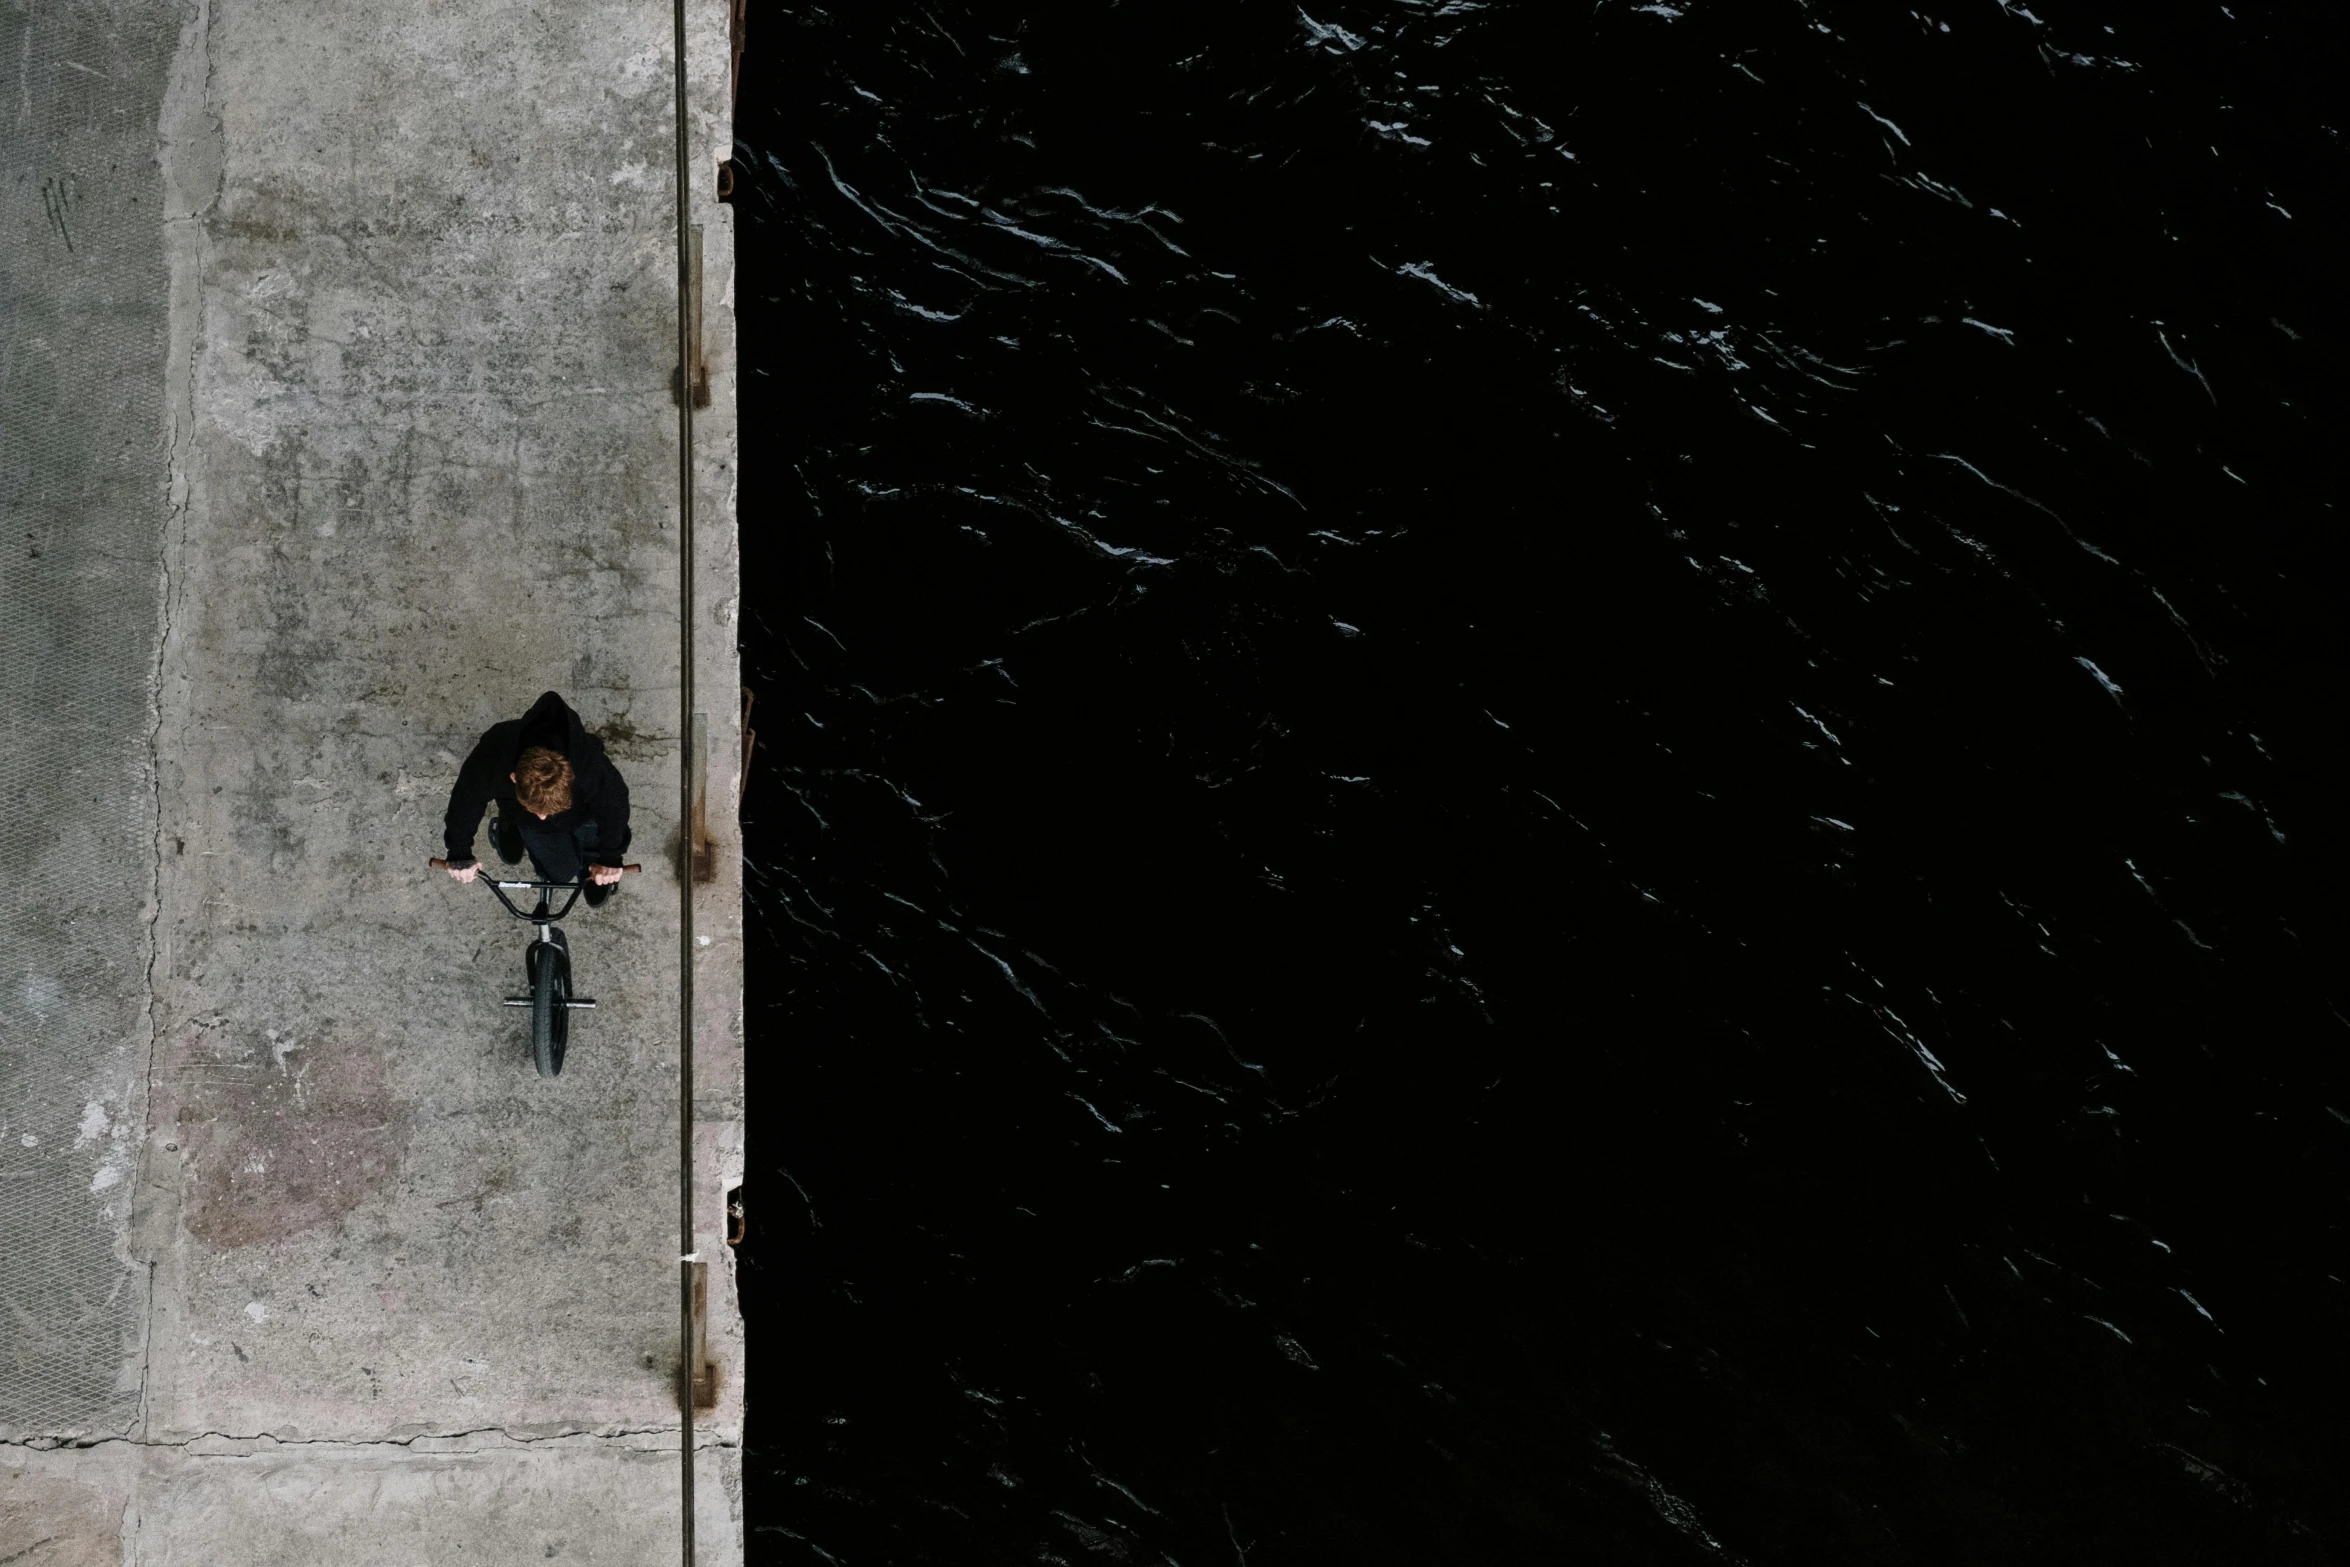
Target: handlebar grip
{"points": [[630, 870]]}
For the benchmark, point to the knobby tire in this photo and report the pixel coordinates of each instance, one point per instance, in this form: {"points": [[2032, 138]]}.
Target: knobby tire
{"points": [[550, 988]]}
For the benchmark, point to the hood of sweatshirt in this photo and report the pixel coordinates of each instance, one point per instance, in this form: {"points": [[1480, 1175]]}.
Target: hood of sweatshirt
{"points": [[550, 723]]}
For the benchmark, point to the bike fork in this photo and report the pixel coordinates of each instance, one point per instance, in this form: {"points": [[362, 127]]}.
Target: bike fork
{"points": [[551, 947]]}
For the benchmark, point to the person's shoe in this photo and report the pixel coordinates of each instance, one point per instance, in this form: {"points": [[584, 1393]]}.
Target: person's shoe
{"points": [[597, 893], [507, 841]]}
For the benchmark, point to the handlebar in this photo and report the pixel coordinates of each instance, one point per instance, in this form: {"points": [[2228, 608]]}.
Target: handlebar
{"points": [[539, 915], [439, 864]]}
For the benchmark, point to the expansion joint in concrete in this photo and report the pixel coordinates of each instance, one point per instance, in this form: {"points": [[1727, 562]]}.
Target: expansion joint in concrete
{"points": [[193, 170], [481, 1439]]}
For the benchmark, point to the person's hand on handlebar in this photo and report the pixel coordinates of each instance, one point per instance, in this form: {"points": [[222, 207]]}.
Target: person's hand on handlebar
{"points": [[465, 871], [604, 875]]}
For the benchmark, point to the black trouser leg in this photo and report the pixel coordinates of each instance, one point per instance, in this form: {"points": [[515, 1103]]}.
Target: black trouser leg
{"points": [[560, 854]]}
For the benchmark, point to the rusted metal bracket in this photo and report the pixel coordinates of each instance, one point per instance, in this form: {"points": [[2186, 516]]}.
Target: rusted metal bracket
{"points": [[701, 361], [737, 23], [705, 844], [742, 779], [705, 1373]]}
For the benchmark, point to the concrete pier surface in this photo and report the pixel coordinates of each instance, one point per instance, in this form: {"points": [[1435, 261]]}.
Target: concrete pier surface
{"points": [[337, 422]]}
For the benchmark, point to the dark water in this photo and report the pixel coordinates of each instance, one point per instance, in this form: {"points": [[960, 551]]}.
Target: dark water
{"points": [[1546, 783]]}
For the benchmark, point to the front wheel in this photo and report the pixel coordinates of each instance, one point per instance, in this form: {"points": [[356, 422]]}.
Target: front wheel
{"points": [[550, 1011]]}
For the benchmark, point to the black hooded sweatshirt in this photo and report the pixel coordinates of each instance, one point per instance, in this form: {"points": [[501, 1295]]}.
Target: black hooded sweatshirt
{"points": [[598, 793]]}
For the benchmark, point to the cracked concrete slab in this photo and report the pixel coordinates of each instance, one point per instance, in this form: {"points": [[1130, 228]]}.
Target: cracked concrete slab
{"points": [[401, 455], [574, 1501]]}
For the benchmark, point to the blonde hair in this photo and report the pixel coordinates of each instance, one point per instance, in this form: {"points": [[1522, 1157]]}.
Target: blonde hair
{"points": [[542, 781]]}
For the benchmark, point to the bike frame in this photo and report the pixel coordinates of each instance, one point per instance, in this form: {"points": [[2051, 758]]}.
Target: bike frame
{"points": [[551, 1000], [549, 933]]}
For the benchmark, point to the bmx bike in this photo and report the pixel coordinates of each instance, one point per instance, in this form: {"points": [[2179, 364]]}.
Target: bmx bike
{"points": [[546, 965]]}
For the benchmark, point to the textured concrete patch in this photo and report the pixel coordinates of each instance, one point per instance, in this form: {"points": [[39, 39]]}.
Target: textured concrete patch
{"points": [[354, 1508], [47, 1521], [82, 494], [281, 1134]]}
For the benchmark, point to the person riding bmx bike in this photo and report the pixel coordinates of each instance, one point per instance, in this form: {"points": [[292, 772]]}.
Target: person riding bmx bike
{"points": [[560, 800]]}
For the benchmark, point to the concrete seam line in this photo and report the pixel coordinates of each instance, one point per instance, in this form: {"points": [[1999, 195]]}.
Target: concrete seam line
{"points": [[686, 1368], [273, 1442], [186, 250]]}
